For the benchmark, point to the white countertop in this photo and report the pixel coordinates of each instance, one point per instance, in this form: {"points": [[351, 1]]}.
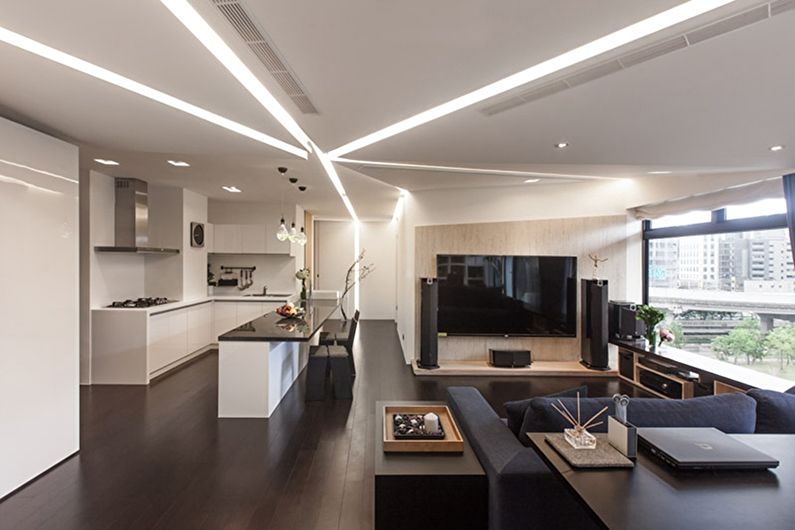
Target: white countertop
{"points": [[216, 298]]}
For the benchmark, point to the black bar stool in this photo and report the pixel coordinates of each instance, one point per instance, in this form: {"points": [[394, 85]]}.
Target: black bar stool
{"points": [[341, 376], [316, 373], [343, 339]]}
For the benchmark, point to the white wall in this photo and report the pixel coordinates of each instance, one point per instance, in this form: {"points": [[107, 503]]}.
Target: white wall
{"points": [[194, 259], [551, 201], [274, 270], [39, 309], [335, 253], [163, 273], [377, 298]]}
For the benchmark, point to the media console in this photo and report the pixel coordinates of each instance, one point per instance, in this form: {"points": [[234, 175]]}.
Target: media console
{"points": [[678, 374]]}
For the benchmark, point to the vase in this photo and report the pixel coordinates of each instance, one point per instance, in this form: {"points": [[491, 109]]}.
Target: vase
{"points": [[303, 290], [652, 339]]}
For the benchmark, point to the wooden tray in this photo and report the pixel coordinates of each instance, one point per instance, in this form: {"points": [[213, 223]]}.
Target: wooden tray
{"points": [[452, 443]]}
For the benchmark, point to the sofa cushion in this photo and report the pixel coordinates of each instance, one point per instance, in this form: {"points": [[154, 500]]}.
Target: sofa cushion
{"points": [[791, 390], [515, 409], [731, 413], [775, 411]]}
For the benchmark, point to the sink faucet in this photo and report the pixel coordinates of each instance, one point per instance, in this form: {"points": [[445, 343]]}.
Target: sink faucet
{"points": [[264, 290]]}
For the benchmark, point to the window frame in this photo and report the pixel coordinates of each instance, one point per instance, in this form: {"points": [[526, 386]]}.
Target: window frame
{"points": [[717, 225]]}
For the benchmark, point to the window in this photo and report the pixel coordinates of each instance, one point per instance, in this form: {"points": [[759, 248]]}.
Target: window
{"points": [[727, 286]]}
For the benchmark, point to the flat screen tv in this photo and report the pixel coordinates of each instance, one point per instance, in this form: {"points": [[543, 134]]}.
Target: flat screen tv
{"points": [[529, 296]]}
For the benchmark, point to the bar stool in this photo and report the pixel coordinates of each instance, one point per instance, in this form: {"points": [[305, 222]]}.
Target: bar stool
{"points": [[341, 376], [343, 339], [316, 373]]}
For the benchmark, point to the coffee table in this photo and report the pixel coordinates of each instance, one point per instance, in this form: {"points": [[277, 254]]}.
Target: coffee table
{"points": [[427, 490], [654, 496]]}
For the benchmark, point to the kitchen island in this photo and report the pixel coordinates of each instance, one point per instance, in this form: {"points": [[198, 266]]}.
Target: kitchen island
{"points": [[260, 360]]}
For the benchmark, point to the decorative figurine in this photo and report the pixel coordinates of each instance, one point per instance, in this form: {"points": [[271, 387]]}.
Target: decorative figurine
{"points": [[596, 261]]}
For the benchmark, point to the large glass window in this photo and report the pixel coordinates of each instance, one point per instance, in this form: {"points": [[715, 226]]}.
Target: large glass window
{"points": [[728, 293]]}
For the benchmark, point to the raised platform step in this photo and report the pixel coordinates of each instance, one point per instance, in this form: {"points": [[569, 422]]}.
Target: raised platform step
{"points": [[538, 368]]}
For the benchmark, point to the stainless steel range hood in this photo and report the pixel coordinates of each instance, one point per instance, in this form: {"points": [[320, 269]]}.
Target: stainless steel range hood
{"points": [[132, 220]]}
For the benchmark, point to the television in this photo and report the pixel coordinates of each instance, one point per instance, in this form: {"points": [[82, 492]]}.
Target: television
{"points": [[523, 296]]}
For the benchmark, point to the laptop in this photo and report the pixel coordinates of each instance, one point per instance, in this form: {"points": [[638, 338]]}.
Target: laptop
{"points": [[702, 448]]}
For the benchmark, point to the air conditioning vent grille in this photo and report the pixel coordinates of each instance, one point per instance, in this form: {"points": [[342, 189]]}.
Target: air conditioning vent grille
{"points": [[266, 52], [632, 58]]}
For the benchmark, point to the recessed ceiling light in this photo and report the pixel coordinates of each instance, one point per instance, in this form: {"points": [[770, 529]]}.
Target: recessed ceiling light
{"points": [[660, 172], [178, 163], [776, 148], [562, 145], [106, 162], [42, 50], [612, 41], [231, 189], [531, 181], [194, 22]]}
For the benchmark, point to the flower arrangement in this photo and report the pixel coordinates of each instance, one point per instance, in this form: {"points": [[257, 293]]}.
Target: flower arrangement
{"points": [[357, 269], [652, 317], [666, 335], [303, 275]]}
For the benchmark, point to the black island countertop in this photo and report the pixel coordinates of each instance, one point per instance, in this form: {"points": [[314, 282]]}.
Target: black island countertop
{"points": [[275, 328]]}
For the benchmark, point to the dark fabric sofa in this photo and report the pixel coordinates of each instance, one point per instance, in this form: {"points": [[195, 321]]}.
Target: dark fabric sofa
{"points": [[523, 492]]}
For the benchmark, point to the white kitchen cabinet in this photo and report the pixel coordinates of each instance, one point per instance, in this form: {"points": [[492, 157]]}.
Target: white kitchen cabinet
{"points": [[224, 317], [168, 338], [227, 239], [253, 239], [200, 326], [158, 342], [209, 237]]}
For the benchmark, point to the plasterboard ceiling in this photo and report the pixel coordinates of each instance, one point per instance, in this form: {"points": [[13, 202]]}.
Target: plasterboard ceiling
{"points": [[714, 106]]}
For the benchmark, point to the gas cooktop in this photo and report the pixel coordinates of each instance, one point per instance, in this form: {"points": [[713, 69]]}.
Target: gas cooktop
{"points": [[141, 302]]}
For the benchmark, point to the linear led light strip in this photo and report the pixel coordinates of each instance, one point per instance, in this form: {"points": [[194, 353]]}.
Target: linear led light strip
{"points": [[612, 41], [191, 19], [331, 171], [200, 29], [470, 170], [42, 50]]}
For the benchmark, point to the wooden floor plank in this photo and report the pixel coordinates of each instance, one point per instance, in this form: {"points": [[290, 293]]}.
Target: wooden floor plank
{"points": [[158, 456]]}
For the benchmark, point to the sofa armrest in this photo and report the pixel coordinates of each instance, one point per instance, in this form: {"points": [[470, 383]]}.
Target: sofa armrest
{"points": [[523, 492], [493, 443]]}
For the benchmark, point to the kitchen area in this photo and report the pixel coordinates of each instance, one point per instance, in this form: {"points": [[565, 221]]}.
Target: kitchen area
{"points": [[169, 271]]}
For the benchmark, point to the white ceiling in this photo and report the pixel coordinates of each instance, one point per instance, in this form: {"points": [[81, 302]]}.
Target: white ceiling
{"points": [[715, 106]]}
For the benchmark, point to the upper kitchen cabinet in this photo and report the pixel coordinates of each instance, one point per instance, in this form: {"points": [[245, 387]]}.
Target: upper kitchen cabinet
{"points": [[248, 239]]}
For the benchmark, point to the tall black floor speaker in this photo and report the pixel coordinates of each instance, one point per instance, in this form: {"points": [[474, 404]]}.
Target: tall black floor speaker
{"points": [[429, 309], [594, 323]]}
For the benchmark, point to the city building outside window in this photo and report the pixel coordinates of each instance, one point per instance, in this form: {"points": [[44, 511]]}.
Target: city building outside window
{"points": [[727, 284]]}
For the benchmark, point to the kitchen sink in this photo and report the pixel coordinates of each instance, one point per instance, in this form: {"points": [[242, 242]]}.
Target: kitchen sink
{"points": [[277, 295]]}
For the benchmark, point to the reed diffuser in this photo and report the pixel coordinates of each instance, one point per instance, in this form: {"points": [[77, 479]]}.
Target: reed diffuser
{"points": [[577, 435]]}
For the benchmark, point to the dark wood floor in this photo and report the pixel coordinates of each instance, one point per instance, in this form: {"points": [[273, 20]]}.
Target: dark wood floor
{"points": [[158, 457]]}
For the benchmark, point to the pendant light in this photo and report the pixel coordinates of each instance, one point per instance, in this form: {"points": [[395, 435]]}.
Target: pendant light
{"points": [[293, 232], [282, 234], [300, 238]]}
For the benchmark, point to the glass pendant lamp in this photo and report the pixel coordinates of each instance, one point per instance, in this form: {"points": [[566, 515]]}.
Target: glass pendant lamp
{"points": [[282, 234], [293, 232], [300, 238]]}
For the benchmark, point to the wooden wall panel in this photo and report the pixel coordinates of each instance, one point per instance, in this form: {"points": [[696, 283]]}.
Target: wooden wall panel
{"points": [[606, 236]]}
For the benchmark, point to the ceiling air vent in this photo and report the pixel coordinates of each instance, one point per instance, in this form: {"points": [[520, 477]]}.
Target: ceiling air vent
{"points": [[653, 51], [266, 52], [594, 72], [728, 24], [631, 58], [781, 6]]}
